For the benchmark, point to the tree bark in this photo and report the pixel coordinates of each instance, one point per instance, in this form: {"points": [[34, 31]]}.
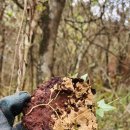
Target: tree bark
{"points": [[2, 39], [50, 20]]}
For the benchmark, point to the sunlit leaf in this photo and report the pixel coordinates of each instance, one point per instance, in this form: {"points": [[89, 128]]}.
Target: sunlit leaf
{"points": [[94, 2], [100, 112], [40, 7], [84, 77], [104, 106], [10, 13], [75, 75]]}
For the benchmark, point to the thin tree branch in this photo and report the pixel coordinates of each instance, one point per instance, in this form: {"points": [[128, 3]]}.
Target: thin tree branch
{"points": [[18, 4]]}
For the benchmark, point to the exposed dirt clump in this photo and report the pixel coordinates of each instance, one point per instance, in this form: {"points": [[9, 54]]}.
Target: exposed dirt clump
{"points": [[61, 104]]}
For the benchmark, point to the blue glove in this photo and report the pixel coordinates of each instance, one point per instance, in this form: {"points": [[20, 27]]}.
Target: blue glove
{"points": [[11, 106]]}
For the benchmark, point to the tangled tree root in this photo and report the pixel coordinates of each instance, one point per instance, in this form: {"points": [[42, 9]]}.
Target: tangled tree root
{"points": [[61, 104]]}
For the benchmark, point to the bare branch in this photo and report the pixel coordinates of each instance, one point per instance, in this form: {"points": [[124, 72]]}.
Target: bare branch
{"points": [[18, 4]]}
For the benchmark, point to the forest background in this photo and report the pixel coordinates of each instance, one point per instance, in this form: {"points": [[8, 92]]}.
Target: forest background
{"points": [[40, 39]]}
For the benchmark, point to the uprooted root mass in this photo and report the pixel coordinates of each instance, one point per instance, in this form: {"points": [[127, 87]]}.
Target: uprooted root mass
{"points": [[61, 104]]}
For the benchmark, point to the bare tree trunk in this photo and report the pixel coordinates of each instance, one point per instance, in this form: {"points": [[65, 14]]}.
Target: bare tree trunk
{"points": [[2, 48], [106, 80], [27, 43], [107, 55], [2, 39], [49, 23]]}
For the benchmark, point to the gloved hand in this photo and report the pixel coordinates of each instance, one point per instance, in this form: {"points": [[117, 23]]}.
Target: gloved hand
{"points": [[11, 106]]}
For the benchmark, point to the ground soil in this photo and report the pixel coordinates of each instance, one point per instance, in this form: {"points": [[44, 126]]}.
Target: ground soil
{"points": [[61, 104]]}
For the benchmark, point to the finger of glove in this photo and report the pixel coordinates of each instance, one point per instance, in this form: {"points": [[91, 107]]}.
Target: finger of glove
{"points": [[18, 102], [13, 105], [15, 102]]}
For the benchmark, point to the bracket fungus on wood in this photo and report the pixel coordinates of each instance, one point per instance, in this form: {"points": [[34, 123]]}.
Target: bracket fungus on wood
{"points": [[61, 104]]}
